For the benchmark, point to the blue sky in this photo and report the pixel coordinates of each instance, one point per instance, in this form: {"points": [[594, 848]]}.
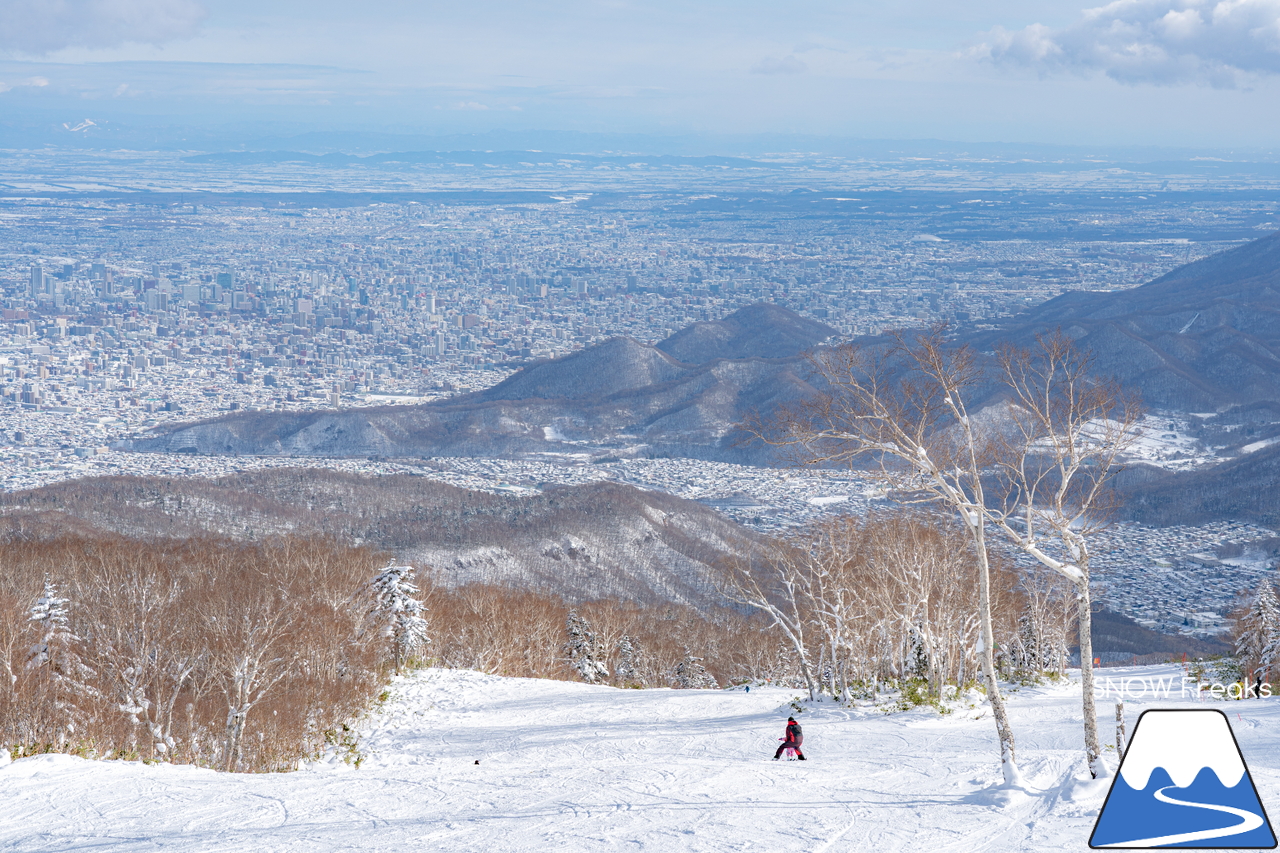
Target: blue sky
{"points": [[1145, 72]]}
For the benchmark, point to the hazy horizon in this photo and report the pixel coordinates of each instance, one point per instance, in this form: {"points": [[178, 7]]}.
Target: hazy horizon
{"points": [[216, 74]]}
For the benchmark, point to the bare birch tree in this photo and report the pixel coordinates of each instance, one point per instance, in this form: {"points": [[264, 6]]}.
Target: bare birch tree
{"points": [[902, 411], [1067, 433], [837, 603], [773, 583], [250, 631], [141, 654], [891, 597], [915, 576]]}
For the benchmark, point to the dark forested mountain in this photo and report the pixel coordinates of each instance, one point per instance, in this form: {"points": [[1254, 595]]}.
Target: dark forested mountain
{"points": [[678, 398], [617, 366], [1203, 337], [583, 542], [1242, 489], [1116, 635]]}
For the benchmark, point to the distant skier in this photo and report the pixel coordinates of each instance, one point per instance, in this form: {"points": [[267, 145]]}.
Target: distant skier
{"points": [[794, 738]]}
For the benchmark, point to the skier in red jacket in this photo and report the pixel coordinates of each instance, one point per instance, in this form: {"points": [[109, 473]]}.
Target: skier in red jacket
{"points": [[794, 738]]}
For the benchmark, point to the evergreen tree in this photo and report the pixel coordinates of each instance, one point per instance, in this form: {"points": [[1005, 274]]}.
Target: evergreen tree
{"points": [[691, 675], [627, 671], [1028, 655], [582, 649], [1258, 643], [49, 614], [55, 653], [399, 616], [917, 662]]}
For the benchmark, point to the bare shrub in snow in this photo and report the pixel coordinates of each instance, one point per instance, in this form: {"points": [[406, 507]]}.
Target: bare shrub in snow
{"points": [[506, 631]]}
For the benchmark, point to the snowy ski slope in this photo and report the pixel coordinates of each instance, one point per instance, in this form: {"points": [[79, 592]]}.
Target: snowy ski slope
{"points": [[572, 767]]}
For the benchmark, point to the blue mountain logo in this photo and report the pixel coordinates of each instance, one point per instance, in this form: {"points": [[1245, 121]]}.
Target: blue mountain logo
{"points": [[1183, 783]]}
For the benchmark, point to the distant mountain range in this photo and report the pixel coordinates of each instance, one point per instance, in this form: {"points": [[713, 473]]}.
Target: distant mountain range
{"points": [[478, 158], [682, 397]]}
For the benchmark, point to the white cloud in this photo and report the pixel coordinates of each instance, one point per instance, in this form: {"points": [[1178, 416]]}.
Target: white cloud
{"points": [[35, 27], [1162, 42], [32, 82], [790, 64]]}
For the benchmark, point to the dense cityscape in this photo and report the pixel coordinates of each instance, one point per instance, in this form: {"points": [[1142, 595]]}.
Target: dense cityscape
{"points": [[279, 307], [123, 315]]}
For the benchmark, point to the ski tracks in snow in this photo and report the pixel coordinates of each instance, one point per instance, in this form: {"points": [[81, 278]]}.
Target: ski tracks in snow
{"points": [[575, 767]]}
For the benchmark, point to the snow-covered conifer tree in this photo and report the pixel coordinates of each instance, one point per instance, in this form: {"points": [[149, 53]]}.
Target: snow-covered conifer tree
{"points": [[55, 653], [691, 675], [49, 614], [917, 658], [1258, 642], [628, 669], [399, 616], [582, 648], [1027, 653]]}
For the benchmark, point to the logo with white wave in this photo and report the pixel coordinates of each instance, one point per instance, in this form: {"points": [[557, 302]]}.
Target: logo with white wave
{"points": [[1183, 783]]}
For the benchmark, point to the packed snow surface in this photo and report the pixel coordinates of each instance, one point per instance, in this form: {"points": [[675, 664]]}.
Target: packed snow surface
{"points": [[573, 767]]}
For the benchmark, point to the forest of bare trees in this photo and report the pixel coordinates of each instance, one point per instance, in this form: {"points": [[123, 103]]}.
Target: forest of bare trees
{"points": [[199, 651], [889, 602], [244, 656], [250, 656]]}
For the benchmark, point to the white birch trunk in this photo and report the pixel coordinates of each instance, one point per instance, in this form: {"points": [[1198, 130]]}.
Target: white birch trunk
{"points": [[1004, 731], [1092, 746]]}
